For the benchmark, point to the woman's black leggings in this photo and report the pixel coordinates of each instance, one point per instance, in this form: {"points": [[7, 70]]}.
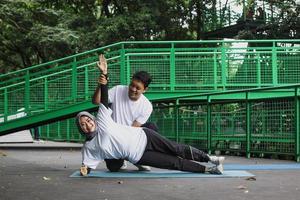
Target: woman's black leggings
{"points": [[163, 153]]}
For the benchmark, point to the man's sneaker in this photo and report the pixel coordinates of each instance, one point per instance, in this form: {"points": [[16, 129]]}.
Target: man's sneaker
{"points": [[143, 168], [216, 160], [215, 169], [124, 166]]}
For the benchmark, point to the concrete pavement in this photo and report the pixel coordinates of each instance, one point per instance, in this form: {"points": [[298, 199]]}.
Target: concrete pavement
{"points": [[43, 174]]}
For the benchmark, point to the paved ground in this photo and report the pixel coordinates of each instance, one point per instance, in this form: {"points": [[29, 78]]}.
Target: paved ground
{"points": [[43, 173]]}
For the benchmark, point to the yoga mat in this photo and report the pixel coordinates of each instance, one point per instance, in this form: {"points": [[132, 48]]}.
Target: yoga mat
{"points": [[162, 174], [291, 166]]}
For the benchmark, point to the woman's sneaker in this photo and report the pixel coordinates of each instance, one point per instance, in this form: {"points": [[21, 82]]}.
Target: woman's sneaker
{"points": [[124, 166], [143, 168], [216, 160], [215, 169]]}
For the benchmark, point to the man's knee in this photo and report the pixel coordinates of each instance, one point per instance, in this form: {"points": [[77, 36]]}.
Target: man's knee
{"points": [[114, 165], [150, 125]]}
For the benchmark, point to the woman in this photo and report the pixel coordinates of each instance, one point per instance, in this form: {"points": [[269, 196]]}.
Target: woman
{"points": [[114, 143]]}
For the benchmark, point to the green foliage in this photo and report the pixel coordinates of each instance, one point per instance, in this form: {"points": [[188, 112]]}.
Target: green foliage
{"points": [[36, 31], [31, 35]]}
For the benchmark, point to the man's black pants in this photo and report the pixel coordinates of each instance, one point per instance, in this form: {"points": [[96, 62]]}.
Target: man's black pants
{"points": [[163, 153]]}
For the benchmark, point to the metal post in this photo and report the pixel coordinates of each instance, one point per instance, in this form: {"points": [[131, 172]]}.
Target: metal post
{"points": [[128, 70], [248, 125], [224, 67], [297, 126], [122, 67], [27, 93], [5, 105], [86, 83], [74, 80], [215, 70], [208, 125], [177, 119], [274, 65], [48, 131], [258, 71], [172, 68], [58, 130], [46, 95], [68, 130]]}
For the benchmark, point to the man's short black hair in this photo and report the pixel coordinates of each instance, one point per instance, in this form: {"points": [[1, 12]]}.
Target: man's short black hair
{"points": [[144, 77]]}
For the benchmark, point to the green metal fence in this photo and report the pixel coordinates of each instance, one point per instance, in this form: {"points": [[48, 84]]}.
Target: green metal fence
{"points": [[235, 122], [179, 66]]}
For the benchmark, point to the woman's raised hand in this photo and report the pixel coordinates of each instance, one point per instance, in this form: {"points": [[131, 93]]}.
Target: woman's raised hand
{"points": [[102, 64]]}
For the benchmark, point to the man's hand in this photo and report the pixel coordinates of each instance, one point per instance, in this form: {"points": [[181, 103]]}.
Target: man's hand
{"points": [[136, 124], [102, 79], [84, 170], [102, 64]]}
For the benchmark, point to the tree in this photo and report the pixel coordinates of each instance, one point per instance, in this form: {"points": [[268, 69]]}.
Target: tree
{"points": [[33, 32], [31, 35]]}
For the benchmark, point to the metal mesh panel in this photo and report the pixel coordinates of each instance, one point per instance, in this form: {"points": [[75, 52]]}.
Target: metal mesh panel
{"points": [[163, 116], [194, 71], [68, 130], [273, 126], [288, 67], [16, 99], [74, 134], [37, 95], [86, 60], [59, 90], [157, 65], [192, 125], [242, 70], [81, 84], [50, 131], [64, 130], [228, 126], [114, 64], [266, 68]]}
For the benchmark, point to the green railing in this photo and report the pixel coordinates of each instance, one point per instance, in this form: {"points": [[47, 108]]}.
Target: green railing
{"points": [[179, 66], [238, 121]]}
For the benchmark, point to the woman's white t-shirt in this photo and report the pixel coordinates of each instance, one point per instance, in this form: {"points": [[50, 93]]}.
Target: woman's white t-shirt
{"points": [[113, 141]]}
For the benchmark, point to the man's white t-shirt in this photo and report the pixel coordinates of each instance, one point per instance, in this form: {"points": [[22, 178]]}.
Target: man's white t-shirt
{"points": [[113, 141], [126, 111]]}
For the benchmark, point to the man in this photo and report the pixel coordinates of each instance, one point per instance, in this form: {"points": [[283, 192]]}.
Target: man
{"points": [[130, 107]]}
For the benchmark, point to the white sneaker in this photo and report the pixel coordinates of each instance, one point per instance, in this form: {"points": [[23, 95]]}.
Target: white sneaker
{"points": [[124, 166], [216, 160], [143, 168], [215, 169]]}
